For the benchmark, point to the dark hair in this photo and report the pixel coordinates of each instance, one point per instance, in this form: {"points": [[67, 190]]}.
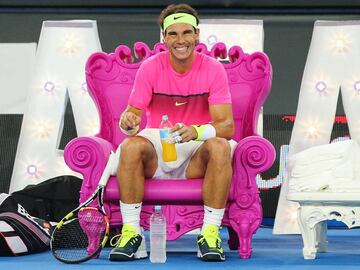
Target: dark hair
{"points": [[176, 8]]}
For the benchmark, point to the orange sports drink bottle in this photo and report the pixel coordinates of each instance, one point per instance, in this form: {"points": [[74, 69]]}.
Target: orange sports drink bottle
{"points": [[167, 141]]}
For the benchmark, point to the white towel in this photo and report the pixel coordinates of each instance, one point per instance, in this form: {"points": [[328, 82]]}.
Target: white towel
{"points": [[316, 182], [320, 158], [326, 168]]}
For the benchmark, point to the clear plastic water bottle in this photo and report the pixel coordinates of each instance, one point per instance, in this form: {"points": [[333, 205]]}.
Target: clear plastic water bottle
{"points": [[157, 236], [167, 141]]}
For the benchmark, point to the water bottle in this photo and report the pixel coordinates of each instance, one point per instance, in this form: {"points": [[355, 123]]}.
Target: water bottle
{"points": [[167, 141], [157, 236]]}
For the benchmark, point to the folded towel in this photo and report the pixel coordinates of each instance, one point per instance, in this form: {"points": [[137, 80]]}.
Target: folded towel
{"points": [[325, 152], [317, 182], [321, 158], [340, 173]]}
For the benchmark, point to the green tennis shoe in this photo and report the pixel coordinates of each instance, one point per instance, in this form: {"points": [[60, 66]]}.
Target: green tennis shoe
{"points": [[209, 245], [129, 246]]}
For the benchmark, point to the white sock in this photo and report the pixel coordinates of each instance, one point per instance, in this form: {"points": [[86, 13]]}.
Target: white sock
{"points": [[131, 214], [212, 216]]}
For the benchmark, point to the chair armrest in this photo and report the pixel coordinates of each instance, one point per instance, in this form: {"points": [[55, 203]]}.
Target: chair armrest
{"points": [[253, 154], [88, 156]]}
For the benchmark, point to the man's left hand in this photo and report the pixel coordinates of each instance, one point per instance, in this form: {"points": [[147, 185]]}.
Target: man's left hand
{"points": [[183, 133]]}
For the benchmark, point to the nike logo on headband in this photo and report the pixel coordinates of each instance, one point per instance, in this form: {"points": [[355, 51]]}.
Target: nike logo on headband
{"points": [[175, 18]]}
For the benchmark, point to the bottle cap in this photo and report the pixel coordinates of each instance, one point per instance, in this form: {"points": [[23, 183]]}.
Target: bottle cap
{"points": [[157, 207], [165, 117]]}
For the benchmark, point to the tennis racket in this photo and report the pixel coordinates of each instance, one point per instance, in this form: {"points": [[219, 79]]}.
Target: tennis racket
{"points": [[82, 233]]}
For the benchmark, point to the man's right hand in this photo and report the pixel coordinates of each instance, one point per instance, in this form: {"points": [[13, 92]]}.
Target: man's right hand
{"points": [[129, 120]]}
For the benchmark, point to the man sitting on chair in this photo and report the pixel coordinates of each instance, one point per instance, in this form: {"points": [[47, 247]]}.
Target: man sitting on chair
{"points": [[192, 89]]}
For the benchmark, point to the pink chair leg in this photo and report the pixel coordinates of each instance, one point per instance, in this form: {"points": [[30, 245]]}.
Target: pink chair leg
{"points": [[245, 222], [243, 231]]}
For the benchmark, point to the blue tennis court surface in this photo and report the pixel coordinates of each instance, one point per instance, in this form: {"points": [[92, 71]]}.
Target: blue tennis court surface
{"points": [[269, 252]]}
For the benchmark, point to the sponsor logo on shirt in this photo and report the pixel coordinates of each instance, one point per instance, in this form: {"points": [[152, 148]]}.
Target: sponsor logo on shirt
{"points": [[180, 103]]}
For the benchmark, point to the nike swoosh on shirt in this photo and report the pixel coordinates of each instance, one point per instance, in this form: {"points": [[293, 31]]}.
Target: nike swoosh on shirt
{"points": [[180, 103]]}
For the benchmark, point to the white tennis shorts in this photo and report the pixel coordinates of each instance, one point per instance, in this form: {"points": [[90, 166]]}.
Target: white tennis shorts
{"points": [[174, 169]]}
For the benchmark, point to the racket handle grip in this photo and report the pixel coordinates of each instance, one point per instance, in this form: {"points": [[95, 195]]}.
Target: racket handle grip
{"points": [[107, 170]]}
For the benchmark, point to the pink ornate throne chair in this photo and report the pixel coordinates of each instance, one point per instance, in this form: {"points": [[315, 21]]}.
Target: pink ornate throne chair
{"points": [[110, 78]]}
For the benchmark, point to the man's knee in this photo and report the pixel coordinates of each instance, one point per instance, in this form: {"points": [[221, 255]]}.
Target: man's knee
{"points": [[135, 148], [219, 149]]}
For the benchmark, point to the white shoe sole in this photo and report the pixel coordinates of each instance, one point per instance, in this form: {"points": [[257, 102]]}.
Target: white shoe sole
{"points": [[141, 252], [213, 256]]}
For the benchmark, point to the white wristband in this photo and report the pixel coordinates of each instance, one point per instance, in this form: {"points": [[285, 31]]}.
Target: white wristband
{"points": [[205, 132]]}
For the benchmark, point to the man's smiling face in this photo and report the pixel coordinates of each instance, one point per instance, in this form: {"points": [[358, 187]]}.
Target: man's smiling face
{"points": [[181, 39]]}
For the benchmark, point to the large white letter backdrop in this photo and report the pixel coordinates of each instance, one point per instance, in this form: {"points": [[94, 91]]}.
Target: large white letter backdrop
{"points": [[248, 34], [63, 49], [332, 64], [16, 66]]}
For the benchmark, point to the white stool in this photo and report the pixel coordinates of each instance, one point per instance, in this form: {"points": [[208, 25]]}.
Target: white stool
{"points": [[318, 207]]}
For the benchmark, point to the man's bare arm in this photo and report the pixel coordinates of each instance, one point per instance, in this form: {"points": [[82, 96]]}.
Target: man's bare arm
{"points": [[222, 120]]}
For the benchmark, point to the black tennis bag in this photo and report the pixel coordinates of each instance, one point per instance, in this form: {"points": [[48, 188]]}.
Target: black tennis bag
{"points": [[20, 233]]}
